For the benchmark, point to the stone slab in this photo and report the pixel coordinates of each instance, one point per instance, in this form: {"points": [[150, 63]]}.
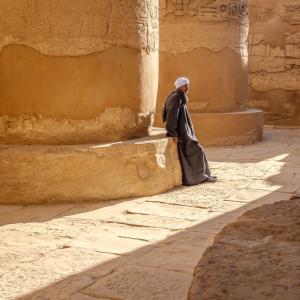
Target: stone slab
{"points": [[158, 284]]}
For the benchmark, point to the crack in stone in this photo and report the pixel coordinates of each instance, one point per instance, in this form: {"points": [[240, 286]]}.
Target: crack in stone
{"points": [[180, 205], [176, 218], [142, 226], [131, 238]]}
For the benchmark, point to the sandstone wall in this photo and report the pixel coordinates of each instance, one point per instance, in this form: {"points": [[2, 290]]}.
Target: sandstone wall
{"points": [[205, 40], [77, 71], [275, 60]]}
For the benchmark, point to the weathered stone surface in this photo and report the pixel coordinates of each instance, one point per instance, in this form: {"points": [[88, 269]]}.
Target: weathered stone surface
{"points": [[203, 67], [114, 124], [70, 68], [169, 210], [35, 174], [158, 284], [78, 27], [148, 234], [275, 60], [215, 18], [53, 269], [149, 221], [166, 256], [255, 257], [65, 290], [103, 242], [79, 296], [32, 213]]}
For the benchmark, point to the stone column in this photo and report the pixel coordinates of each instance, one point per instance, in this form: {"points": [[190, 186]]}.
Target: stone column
{"points": [[77, 71], [274, 62], [206, 41]]}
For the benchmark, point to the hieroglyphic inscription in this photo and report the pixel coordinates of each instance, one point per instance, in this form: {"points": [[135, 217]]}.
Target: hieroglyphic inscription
{"points": [[216, 38], [76, 27], [207, 10], [292, 13], [134, 23], [212, 24], [71, 27]]}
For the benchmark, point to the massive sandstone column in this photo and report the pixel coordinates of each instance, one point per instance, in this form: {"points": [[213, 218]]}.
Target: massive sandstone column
{"points": [[275, 60], [77, 71], [206, 40]]}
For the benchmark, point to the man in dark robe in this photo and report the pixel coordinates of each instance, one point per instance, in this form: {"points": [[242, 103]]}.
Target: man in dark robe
{"points": [[179, 126]]}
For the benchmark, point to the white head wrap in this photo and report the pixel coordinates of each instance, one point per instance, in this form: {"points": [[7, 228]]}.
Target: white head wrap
{"points": [[181, 81]]}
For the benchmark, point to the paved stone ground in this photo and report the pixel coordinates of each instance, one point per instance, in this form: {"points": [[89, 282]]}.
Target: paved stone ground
{"points": [[143, 248]]}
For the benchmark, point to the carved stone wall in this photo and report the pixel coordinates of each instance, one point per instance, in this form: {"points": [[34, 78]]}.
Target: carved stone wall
{"points": [[205, 40], [207, 24], [275, 60], [78, 27], [71, 67]]}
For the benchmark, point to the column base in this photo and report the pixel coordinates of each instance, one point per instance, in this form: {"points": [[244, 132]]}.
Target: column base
{"points": [[226, 129], [37, 174]]}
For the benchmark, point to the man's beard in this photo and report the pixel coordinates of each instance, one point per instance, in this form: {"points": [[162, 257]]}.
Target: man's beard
{"points": [[186, 97]]}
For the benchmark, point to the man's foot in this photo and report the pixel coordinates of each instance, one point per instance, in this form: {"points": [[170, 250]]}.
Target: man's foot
{"points": [[211, 179]]}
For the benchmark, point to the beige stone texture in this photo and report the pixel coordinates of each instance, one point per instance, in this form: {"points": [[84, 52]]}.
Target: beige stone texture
{"points": [[255, 257], [148, 247], [74, 61], [218, 79], [203, 24], [274, 60], [113, 124], [35, 174], [77, 27], [157, 285]]}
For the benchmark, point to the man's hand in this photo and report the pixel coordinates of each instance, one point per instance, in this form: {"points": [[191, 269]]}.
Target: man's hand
{"points": [[175, 140]]}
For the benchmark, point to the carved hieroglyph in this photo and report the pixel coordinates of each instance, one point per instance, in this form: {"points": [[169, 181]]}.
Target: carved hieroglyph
{"points": [[191, 24], [78, 27]]}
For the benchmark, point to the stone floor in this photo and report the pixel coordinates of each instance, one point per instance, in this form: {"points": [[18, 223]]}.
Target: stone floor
{"points": [[142, 248]]}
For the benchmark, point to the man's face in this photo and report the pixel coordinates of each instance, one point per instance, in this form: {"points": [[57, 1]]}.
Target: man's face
{"points": [[185, 88]]}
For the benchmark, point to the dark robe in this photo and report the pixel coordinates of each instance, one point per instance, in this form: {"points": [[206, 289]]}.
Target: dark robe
{"points": [[193, 161]]}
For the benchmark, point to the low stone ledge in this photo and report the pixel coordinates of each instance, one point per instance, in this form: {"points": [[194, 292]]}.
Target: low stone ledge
{"points": [[226, 129], [256, 257], [73, 173]]}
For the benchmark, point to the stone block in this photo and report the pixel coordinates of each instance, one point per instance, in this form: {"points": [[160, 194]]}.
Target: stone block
{"points": [[36, 174], [271, 81]]}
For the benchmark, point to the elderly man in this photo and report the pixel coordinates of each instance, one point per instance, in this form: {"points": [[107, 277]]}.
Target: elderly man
{"points": [[179, 126]]}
